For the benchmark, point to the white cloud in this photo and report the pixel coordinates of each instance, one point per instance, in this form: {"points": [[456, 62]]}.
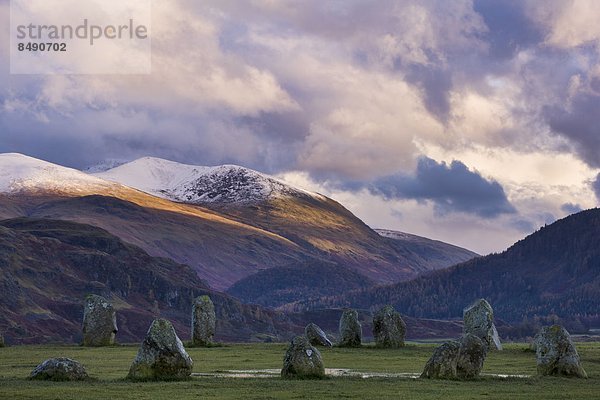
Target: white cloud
{"points": [[569, 23]]}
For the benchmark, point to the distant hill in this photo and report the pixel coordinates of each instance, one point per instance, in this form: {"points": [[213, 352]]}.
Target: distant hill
{"points": [[47, 267], [427, 254], [311, 279], [553, 273]]}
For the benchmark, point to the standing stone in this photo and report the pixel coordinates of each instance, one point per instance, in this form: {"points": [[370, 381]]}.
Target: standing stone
{"points": [[302, 360], [2, 344], [59, 369], [99, 322], [479, 321], [556, 354], [388, 328], [203, 321], [457, 359], [471, 357], [161, 355], [316, 336], [442, 364], [350, 329]]}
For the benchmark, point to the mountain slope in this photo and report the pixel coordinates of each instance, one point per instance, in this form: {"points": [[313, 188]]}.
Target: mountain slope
{"points": [[223, 240], [555, 271], [188, 234], [311, 279], [47, 267], [319, 225], [19, 173], [426, 253]]}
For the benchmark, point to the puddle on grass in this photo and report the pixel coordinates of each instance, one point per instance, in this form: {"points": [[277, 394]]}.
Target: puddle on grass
{"points": [[335, 372]]}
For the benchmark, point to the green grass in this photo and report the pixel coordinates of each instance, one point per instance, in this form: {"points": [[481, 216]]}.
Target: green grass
{"points": [[110, 365]]}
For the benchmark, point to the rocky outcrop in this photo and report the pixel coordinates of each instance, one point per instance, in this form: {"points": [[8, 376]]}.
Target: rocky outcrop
{"points": [[316, 336], [203, 321], [302, 360], [457, 359], [99, 322], [161, 355], [556, 354], [388, 328], [350, 329], [59, 369], [478, 320]]}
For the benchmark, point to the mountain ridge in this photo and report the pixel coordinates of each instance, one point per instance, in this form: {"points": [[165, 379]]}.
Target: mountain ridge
{"points": [[552, 273], [196, 184], [222, 241]]}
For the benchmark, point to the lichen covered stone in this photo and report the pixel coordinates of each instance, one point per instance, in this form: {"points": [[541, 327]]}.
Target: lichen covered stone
{"points": [[302, 360], [442, 363], [161, 355], [350, 329], [457, 359], [203, 321], [471, 356], [389, 329], [316, 336], [478, 320], [556, 354], [59, 369], [99, 322]]}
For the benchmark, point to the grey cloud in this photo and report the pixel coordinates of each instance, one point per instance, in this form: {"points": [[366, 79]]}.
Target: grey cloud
{"points": [[596, 187], [510, 30], [436, 83], [580, 123], [523, 225], [451, 188], [571, 208]]}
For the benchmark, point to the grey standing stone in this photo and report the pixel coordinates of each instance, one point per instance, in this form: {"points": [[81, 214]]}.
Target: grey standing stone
{"points": [[471, 356], [316, 336], [389, 329], [442, 364], [350, 329], [457, 359], [2, 344], [479, 321], [556, 354], [161, 355], [203, 321], [99, 322], [59, 369], [302, 360]]}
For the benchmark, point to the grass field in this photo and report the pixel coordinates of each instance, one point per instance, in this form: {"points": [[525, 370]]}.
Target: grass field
{"points": [[110, 365]]}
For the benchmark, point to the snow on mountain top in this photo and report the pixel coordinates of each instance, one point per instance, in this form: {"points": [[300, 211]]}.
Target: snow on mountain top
{"points": [[19, 172], [199, 184], [103, 166], [395, 234]]}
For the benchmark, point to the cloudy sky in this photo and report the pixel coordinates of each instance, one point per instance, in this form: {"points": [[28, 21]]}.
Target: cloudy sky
{"points": [[474, 122]]}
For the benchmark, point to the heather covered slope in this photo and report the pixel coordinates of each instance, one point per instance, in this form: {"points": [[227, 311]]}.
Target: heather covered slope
{"points": [[219, 252], [553, 272], [47, 267]]}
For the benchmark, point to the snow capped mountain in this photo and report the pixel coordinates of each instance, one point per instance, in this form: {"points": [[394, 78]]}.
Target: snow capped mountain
{"points": [[226, 184], [23, 173]]}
